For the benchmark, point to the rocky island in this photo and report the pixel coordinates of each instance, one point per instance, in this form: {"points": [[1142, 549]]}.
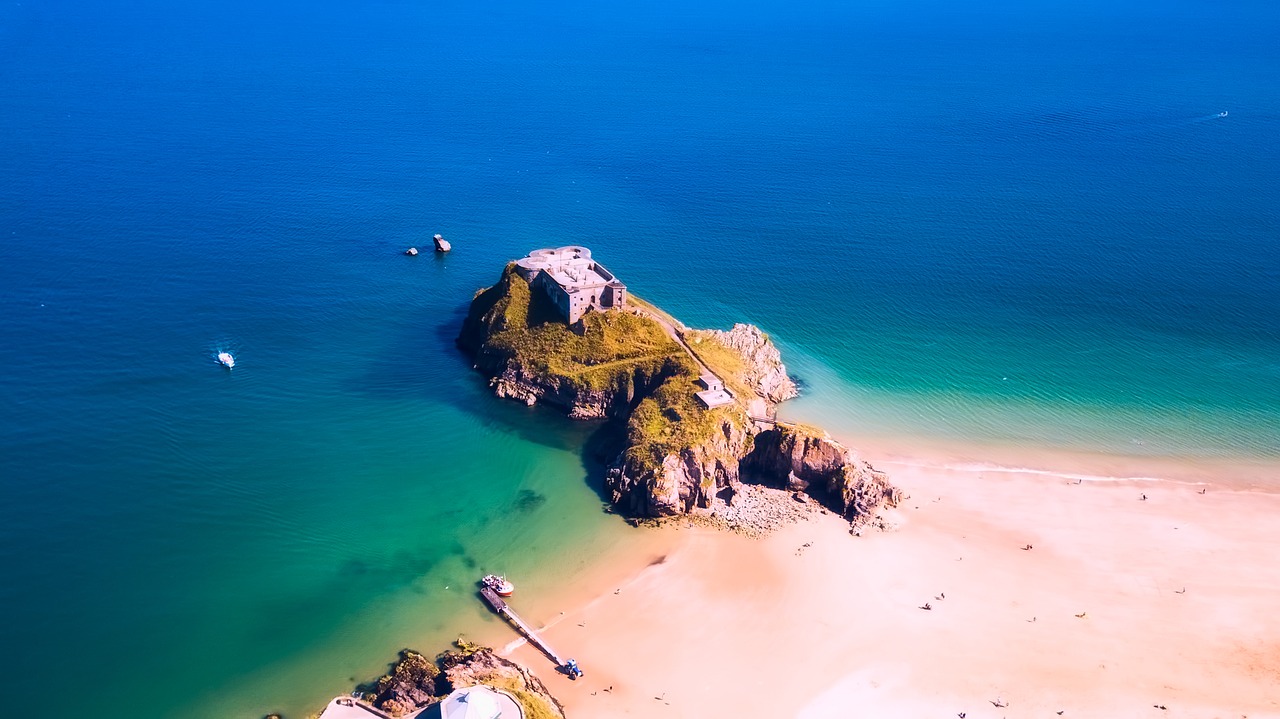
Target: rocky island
{"points": [[694, 410]]}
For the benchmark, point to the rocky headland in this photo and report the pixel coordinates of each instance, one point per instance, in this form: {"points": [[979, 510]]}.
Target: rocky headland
{"points": [[639, 369], [415, 681]]}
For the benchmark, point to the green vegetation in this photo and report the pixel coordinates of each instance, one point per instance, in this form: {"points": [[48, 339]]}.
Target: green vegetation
{"points": [[803, 430], [653, 309], [535, 707], [726, 363], [511, 325], [671, 418]]}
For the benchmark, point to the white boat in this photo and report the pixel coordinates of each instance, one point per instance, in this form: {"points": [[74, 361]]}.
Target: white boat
{"points": [[226, 360], [1222, 114], [500, 585]]}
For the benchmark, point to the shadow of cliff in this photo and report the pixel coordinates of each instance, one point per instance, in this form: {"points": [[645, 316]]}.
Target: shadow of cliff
{"points": [[599, 451], [426, 363]]}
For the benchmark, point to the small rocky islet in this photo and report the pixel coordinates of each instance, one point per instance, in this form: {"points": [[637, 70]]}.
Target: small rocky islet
{"points": [[642, 371]]}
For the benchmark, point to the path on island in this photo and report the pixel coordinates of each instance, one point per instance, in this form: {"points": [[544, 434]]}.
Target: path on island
{"points": [[668, 325]]}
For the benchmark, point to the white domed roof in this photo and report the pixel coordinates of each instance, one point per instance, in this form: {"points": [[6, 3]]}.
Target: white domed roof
{"points": [[471, 703]]}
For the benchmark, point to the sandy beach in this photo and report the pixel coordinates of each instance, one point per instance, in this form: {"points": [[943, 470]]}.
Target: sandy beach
{"points": [[1047, 594]]}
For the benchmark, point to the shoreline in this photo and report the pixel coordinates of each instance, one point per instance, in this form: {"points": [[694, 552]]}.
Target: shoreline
{"points": [[1249, 473], [1174, 598]]}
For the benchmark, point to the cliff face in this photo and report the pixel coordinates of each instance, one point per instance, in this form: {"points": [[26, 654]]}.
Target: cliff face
{"points": [[762, 370], [595, 369], [807, 460], [678, 457], [519, 382], [682, 479]]}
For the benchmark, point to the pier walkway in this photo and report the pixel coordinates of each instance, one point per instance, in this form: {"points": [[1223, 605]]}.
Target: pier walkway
{"points": [[500, 607]]}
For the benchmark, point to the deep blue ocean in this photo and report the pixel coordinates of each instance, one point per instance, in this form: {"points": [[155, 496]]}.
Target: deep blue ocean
{"points": [[1035, 224]]}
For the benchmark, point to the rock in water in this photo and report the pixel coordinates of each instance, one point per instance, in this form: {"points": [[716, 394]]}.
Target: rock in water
{"points": [[412, 252], [411, 683], [442, 245]]}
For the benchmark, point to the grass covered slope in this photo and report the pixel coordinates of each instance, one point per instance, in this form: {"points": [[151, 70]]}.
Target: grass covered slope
{"points": [[512, 328], [672, 419]]}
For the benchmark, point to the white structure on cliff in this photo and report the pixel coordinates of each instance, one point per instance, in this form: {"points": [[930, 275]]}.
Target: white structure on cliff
{"points": [[713, 393], [574, 282]]}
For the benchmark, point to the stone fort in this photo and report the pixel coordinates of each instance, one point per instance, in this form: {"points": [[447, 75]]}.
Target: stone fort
{"points": [[574, 282]]}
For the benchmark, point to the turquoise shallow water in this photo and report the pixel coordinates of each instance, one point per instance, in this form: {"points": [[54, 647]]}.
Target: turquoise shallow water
{"points": [[1022, 224]]}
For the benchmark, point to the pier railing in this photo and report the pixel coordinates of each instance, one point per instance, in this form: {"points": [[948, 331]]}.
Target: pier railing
{"points": [[500, 606]]}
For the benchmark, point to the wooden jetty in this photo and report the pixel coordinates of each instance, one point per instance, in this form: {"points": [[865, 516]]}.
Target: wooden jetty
{"points": [[500, 606]]}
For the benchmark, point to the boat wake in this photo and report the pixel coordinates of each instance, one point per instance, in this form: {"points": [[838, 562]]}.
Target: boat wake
{"points": [[1214, 116], [1158, 127]]}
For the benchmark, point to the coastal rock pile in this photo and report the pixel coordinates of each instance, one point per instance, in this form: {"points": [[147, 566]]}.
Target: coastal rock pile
{"points": [[757, 510], [415, 681], [410, 684]]}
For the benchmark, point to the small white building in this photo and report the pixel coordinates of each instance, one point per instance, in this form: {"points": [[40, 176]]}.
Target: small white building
{"points": [[713, 393]]}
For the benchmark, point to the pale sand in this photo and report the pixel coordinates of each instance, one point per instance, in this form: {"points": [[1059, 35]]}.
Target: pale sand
{"points": [[734, 627]]}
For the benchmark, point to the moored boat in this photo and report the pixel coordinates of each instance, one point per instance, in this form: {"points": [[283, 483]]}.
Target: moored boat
{"points": [[500, 585]]}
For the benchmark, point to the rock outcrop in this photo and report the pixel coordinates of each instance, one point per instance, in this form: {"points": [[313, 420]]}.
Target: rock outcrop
{"points": [[519, 382], [410, 684], [415, 681], [481, 666], [808, 460], [686, 479], [764, 371]]}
